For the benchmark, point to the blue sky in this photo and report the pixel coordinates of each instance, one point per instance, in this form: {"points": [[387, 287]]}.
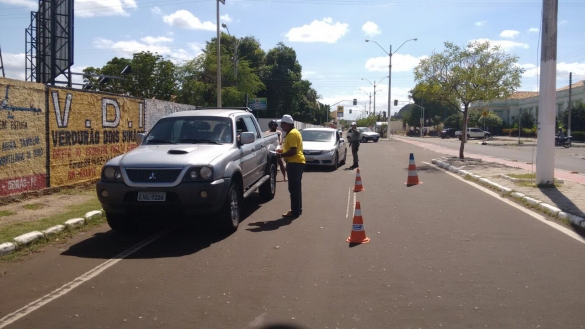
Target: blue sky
{"points": [[327, 35]]}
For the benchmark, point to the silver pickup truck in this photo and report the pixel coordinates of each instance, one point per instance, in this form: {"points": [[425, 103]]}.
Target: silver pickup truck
{"points": [[203, 161]]}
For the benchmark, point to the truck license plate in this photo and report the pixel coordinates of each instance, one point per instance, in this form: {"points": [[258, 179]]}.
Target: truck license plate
{"points": [[152, 196]]}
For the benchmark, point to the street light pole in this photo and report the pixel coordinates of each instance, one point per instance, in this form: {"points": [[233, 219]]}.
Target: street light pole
{"points": [[218, 57], [390, 53], [235, 58], [370, 95], [374, 85]]}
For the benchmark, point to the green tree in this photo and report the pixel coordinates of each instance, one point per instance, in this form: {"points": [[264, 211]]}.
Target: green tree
{"points": [[577, 118], [491, 121], [279, 75], [478, 72], [454, 121]]}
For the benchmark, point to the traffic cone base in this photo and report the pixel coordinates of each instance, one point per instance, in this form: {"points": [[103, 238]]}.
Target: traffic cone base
{"points": [[358, 232], [358, 182], [412, 173]]}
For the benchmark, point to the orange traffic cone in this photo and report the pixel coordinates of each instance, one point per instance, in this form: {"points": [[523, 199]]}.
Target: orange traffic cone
{"points": [[358, 233], [412, 173], [358, 182]]}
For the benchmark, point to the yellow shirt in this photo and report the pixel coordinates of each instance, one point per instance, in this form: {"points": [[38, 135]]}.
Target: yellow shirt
{"points": [[294, 139]]}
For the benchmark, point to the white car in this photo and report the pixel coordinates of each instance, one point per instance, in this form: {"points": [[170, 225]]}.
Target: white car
{"points": [[324, 147], [367, 135]]}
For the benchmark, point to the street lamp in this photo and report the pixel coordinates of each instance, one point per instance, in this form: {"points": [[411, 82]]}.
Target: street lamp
{"points": [[369, 95], [390, 53], [237, 41], [218, 56], [374, 85]]}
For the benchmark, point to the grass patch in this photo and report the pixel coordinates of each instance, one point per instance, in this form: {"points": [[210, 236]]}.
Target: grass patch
{"points": [[73, 211], [33, 206], [4, 213], [523, 176]]}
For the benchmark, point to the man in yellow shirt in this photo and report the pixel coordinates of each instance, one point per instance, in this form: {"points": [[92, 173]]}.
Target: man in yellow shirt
{"points": [[292, 153]]}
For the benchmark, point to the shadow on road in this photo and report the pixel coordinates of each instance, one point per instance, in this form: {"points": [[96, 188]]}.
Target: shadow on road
{"points": [[186, 236], [562, 202]]}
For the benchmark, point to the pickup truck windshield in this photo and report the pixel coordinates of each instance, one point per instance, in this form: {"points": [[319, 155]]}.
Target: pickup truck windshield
{"points": [[191, 130]]}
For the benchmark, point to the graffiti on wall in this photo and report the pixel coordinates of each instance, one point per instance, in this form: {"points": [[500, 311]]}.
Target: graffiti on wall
{"points": [[88, 129], [156, 109], [22, 137]]}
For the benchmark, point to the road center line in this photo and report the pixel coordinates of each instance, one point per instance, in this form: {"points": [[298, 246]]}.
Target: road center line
{"points": [[68, 287]]}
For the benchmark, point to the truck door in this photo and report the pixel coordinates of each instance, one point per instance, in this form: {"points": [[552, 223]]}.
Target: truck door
{"points": [[260, 150], [246, 154]]}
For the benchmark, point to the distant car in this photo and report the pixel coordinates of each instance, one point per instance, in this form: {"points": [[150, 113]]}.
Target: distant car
{"points": [[367, 135], [474, 133], [448, 133], [324, 147]]}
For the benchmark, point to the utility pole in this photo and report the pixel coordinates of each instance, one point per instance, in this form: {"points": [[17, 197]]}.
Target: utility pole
{"points": [[545, 156], [570, 105], [2, 63]]}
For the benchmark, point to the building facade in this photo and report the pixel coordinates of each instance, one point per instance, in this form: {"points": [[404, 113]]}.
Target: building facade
{"points": [[521, 101]]}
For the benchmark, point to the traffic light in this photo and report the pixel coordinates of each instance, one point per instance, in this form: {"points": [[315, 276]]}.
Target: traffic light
{"points": [[354, 101], [349, 111], [395, 102]]}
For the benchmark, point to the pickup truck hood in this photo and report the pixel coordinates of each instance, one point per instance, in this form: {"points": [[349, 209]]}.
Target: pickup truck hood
{"points": [[172, 155], [370, 133]]}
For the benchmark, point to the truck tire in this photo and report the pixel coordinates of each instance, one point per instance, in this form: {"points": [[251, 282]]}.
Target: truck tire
{"points": [[122, 223], [364, 140], [335, 164], [229, 218], [268, 189]]}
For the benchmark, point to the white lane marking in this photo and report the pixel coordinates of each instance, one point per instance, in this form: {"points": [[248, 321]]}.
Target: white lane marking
{"points": [[348, 203], [257, 322], [538, 216], [68, 287]]}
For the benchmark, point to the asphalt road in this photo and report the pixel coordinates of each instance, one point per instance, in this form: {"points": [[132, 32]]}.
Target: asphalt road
{"points": [[442, 254]]}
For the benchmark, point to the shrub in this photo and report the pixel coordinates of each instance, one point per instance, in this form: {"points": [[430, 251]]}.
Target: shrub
{"points": [[578, 136]]}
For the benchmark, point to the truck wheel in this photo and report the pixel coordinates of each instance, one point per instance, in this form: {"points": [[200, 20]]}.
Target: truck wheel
{"points": [[375, 140], [268, 189], [121, 223], [468, 137], [364, 140], [230, 212], [487, 136]]}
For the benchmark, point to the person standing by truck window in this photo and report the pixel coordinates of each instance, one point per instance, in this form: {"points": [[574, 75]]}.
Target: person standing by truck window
{"points": [[292, 152], [272, 125], [353, 136]]}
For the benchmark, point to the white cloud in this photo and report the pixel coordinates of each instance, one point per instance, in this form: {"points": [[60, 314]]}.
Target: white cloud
{"points": [[156, 40], [563, 70], [371, 29], [400, 63], [481, 23], [225, 18], [306, 74], [156, 10], [186, 20], [14, 65], [505, 44], [533, 30], [91, 8], [30, 4], [509, 34], [318, 31], [128, 48]]}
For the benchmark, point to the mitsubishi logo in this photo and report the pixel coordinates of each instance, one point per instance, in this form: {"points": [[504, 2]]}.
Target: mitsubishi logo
{"points": [[152, 176]]}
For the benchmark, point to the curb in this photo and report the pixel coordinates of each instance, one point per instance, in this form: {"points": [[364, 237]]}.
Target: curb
{"points": [[545, 207], [30, 237]]}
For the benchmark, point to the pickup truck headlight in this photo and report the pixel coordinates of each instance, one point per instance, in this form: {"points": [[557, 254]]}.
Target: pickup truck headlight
{"points": [[199, 173], [112, 174]]}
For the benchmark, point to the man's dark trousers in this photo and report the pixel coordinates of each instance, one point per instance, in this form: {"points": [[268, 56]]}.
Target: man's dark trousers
{"points": [[294, 172], [355, 146]]}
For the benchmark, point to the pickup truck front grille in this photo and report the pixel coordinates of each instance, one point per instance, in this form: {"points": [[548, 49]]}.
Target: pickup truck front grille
{"points": [[153, 175]]}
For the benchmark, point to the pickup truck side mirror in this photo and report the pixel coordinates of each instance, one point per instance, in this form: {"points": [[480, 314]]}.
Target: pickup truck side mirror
{"points": [[341, 140], [140, 138], [247, 138]]}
